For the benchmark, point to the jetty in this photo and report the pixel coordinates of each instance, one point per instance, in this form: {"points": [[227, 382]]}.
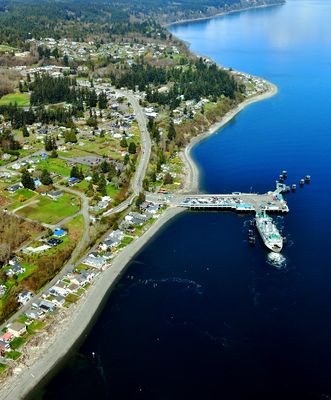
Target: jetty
{"points": [[272, 201]]}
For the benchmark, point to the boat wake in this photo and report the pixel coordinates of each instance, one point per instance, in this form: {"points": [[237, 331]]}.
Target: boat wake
{"points": [[277, 260]]}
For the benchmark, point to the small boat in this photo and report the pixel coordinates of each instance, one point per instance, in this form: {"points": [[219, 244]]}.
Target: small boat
{"points": [[294, 187], [302, 182], [307, 178]]}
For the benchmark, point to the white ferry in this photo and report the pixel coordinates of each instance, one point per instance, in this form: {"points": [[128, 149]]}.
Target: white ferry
{"points": [[269, 233]]}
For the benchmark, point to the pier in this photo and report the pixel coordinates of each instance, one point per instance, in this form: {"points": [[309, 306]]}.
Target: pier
{"points": [[271, 202], [239, 202]]}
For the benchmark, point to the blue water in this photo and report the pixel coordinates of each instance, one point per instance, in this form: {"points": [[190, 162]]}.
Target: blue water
{"points": [[199, 314]]}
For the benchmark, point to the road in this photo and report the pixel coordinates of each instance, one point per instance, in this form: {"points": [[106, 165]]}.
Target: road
{"points": [[146, 145]]}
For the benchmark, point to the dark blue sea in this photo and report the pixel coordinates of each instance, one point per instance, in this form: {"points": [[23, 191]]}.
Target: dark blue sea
{"points": [[200, 314]]}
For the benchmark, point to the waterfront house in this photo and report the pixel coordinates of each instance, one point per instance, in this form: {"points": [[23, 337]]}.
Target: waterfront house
{"points": [[4, 347], [95, 262], [17, 329], [34, 313], [7, 337]]}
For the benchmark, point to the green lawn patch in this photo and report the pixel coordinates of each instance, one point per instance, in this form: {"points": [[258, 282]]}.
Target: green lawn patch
{"points": [[55, 165], [13, 355], [21, 99], [18, 342], [35, 326], [28, 195], [4, 48], [52, 211], [2, 368]]}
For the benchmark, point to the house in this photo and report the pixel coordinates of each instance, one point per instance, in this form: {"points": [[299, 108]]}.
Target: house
{"points": [[59, 233], [54, 242], [34, 313], [17, 329], [72, 288], [3, 289], [60, 288], [46, 306], [134, 218], [7, 337], [59, 301], [37, 182], [4, 347], [55, 194], [72, 181], [95, 262], [15, 270], [24, 297], [14, 188]]}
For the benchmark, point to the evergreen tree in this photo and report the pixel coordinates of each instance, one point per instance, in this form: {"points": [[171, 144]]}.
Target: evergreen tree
{"points": [[45, 177], [70, 136], [132, 148], [102, 186], [102, 100], [105, 166], [92, 99], [123, 143], [25, 131], [171, 131], [27, 180], [95, 177]]}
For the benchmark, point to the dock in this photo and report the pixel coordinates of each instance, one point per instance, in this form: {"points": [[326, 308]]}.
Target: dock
{"points": [[271, 202]]}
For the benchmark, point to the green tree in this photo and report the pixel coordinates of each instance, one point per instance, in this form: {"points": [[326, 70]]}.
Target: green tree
{"points": [[25, 131], [45, 177], [105, 166], [140, 199], [171, 130], [27, 180], [123, 143], [132, 148], [102, 185], [102, 100], [70, 136]]}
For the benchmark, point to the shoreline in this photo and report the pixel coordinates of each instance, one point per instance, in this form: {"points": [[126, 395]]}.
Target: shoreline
{"points": [[192, 172], [79, 319], [71, 326], [221, 14]]}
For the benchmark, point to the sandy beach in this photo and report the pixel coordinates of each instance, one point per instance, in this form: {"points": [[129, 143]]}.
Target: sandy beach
{"points": [[48, 349]]}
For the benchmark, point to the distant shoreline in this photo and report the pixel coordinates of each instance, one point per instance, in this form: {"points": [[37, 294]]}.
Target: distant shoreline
{"points": [[223, 13]]}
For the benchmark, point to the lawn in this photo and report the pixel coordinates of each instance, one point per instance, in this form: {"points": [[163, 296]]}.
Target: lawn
{"points": [[21, 99], [28, 195], [51, 211], [4, 48], [55, 165]]}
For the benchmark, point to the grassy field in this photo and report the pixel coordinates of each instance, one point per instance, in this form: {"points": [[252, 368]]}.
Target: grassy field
{"points": [[28, 195], [51, 211], [4, 48], [55, 165], [21, 99]]}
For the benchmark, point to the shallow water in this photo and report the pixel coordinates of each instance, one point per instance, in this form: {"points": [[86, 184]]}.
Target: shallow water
{"points": [[199, 313]]}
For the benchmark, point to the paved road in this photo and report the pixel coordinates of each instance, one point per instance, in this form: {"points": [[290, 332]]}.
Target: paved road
{"points": [[137, 180]]}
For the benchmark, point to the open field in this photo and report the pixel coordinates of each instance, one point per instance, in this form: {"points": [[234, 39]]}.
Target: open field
{"points": [[21, 99], [51, 211], [4, 48]]}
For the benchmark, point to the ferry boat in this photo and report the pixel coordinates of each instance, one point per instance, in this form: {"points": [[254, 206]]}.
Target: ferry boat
{"points": [[269, 233]]}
